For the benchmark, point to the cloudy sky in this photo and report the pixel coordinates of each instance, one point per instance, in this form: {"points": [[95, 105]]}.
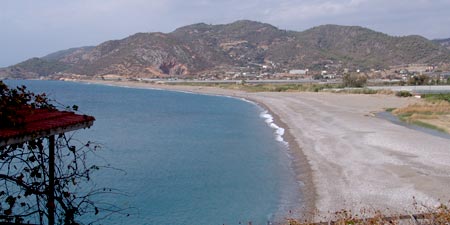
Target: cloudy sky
{"points": [[32, 28]]}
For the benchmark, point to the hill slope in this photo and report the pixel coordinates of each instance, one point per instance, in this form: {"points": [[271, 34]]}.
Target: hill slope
{"points": [[200, 48], [443, 42]]}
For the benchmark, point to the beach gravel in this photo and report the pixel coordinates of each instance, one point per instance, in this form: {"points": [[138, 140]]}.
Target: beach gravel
{"points": [[359, 161]]}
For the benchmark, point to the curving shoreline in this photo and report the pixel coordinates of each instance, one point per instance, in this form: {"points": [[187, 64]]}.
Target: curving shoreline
{"points": [[300, 164], [346, 157]]}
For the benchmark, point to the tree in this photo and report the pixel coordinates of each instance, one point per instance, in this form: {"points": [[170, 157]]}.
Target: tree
{"points": [[419, 80], [354, 80], [24, 170]]}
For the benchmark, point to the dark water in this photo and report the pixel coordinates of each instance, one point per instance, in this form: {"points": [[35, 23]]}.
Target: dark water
{"points": [[186, 158]]}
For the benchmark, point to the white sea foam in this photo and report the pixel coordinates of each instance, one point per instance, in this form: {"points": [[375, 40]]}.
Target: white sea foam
{"points": [[279, 131], [248, 101]]}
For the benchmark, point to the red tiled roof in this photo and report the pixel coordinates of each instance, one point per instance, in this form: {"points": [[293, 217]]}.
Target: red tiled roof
{"points": [[42, 122]]}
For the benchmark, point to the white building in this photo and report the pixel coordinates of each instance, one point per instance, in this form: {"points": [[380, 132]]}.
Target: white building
{"points": [[298, 72]]}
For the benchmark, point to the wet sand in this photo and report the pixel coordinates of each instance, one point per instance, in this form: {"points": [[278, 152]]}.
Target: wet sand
{"points": [[347, 157]]}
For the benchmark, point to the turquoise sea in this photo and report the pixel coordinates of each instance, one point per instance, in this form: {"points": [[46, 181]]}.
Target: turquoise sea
{"points": [[183, 158]]}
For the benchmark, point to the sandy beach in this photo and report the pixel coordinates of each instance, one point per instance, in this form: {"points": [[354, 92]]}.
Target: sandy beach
{"points": [[347, 157]]}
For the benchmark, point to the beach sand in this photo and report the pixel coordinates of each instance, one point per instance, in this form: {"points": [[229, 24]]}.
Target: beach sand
{"points": [[347, 157]]}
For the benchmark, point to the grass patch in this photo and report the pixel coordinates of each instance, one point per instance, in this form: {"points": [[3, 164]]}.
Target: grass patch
{"points": [[441, 107], [437, 97], [390, 109], [265, 87], [366, 91], [273, 87], [430, 114], [427, 125], [286, 87], [405, 117]]}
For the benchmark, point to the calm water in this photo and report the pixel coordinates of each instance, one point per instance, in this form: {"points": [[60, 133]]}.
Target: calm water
{"points": [[185, 158]]}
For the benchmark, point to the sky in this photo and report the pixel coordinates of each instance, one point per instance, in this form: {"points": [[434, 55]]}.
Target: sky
{"points": [[34, 28]]}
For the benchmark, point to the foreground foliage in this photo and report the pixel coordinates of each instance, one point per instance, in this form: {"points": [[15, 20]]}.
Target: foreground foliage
{"points": [[24, 170]]}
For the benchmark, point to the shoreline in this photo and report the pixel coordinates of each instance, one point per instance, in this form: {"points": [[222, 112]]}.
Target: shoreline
{"points": [[347, 158], [300, 164]]}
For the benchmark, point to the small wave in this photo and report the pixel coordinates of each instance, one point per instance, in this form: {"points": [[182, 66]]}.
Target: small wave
{"points": [[248, 101], [279, 131]]}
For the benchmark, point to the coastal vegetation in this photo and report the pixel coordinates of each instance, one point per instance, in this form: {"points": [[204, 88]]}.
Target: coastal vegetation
{"points": [[366, 91], [354, 80], [403, 94], [437, 97], [266, 87], [419, 80], [306, 87], [26, 176], [439, 215], [432, 113]]}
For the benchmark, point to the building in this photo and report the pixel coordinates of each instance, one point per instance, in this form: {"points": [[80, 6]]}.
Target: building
{"points": [[299, 72]]}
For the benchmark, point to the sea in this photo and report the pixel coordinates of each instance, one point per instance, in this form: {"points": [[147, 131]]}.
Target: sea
{"points": [[182, 158]]}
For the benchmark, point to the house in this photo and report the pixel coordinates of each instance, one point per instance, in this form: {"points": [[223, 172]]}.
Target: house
{"points": [[111, 77], [299, 72]]}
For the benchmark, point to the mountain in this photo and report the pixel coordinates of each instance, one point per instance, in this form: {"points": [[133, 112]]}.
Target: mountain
{"points": [[205, 49], [50, 64], [69, 56], [361, 46], [443, 42]]}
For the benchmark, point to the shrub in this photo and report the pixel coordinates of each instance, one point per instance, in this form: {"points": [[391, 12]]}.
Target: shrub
{"points": [[354, 80], [403, 94], [419, 80]]}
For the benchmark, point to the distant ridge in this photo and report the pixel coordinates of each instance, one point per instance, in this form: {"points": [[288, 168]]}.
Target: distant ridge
{"points": [[66, 55], [202, 48]]}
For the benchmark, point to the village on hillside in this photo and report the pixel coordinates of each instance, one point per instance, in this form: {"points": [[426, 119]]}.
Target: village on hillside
{"points": [[409, 74]]}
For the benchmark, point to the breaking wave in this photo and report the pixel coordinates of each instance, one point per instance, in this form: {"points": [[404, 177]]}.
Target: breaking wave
{"points": [[279, 131]]}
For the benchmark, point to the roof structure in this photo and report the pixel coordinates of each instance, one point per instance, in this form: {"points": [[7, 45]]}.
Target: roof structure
{"points": [[36, 123]]}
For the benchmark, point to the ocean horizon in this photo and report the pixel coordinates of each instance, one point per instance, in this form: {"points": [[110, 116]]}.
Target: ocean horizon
{"points": [[183, 158]]}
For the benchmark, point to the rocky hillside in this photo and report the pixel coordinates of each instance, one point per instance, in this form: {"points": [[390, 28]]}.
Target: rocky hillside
{"points": [[443, 42], [200, 48]]}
